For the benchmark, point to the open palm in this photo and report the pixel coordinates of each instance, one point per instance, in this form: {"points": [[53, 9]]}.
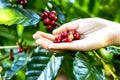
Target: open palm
{"points": [[95, 33]]}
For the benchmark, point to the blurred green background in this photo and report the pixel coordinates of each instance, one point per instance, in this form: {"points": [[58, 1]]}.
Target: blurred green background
{"points": [[67, 10]]}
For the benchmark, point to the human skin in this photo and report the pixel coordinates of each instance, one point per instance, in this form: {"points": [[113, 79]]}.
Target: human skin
{"points": [[95, 33]]}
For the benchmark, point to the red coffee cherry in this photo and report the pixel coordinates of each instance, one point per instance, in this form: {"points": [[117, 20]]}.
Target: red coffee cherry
{"points": [[49, 27], [20, 49], [67, 36], [46, 21], [77, 36], [57, 41], [46, 14], [65, 39], [52, 16], [59, 37], [64, 34], [53, 23], [22, 2], [42, 16], [55, 18], [72, 31], [53, 12]]}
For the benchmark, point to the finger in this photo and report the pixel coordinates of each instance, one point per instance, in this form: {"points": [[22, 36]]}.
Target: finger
{"points": [[83, 45], [36, 36], [44, 43], [56, 51], [66, 27], [40, 34], [63, 46]]}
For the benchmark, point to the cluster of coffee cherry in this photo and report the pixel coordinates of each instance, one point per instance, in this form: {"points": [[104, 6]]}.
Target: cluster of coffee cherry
{"points": [[11, 57], [49, 18], [22, 2], [20, 49], [68, 36]]}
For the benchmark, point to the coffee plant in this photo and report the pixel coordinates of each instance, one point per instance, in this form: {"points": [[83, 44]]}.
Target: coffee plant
{"points": [[22, 59]]}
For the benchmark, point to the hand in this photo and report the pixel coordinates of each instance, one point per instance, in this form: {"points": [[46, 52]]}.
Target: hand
{"points": [[95, 33]]}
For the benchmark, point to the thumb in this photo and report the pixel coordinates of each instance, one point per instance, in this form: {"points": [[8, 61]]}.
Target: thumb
{"points": [[60, 29], [66, 27]]}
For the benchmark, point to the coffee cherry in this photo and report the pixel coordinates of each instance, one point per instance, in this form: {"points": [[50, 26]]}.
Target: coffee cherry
{"points": [[11, 58], [70, 39], [59, 37], [11, 52], [72, 31], [65, 39], [46, 14], [42, 16], [55, 18], [64, 34], [52, 23], [20, 49], [77, 36], [22, 2], [67, 36], [51, 16], [57, 41], [71, 36], [49, 27], [53, 12], [46, 21]]}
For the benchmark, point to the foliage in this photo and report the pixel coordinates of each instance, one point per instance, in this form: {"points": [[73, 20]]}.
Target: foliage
{"points": [[18, 24]]}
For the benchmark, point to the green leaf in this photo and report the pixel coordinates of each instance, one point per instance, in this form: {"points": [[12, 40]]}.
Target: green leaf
{"points": [[20, 30], [4, 3], [7, 35], [17, 65], [37, 5], [10, 16], [67, 66], [18, 15], [84, 69], [105, 54], [116, 64], [113, 49], [66, 4], [31, 18], [43, 65]]}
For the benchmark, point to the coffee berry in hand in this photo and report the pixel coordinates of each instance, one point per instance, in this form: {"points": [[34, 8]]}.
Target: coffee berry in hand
{"points": [[49, 18], [68, 36]]}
